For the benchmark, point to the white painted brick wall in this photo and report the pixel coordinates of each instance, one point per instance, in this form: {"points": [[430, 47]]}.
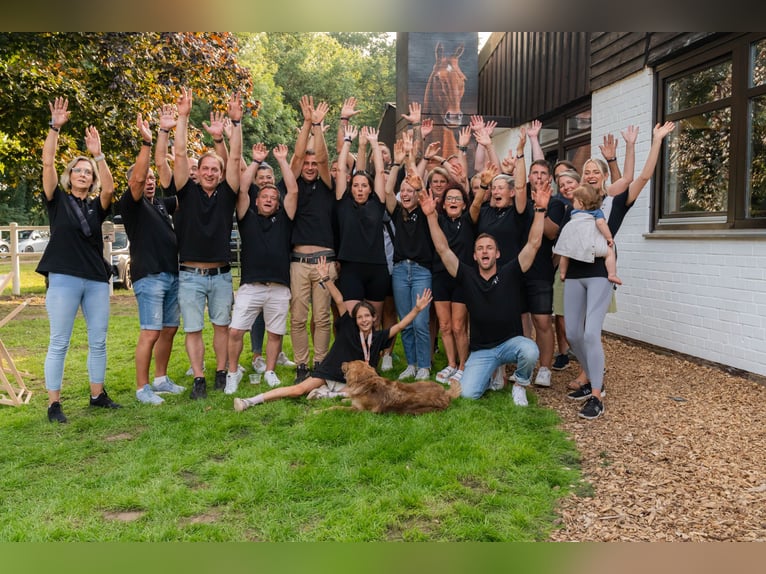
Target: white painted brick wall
{"points": [[701, 297]]}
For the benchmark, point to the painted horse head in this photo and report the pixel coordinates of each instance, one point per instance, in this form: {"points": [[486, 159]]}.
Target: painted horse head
{"points": [[445, 87]]}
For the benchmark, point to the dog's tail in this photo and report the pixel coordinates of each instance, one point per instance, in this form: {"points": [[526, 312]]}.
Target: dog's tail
{"points": [[454, 390]]}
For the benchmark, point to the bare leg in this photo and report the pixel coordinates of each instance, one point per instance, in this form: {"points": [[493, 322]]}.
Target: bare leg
{"points": [[162, 350], [460, 332], [611, 266], [544, 338], [273, 346], [195, 348], [234, 348], [146, 342], [444, 314], [220, 346]]}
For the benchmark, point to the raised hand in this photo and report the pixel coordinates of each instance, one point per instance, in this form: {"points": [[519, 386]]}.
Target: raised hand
{"points": [[661, 131], [630, 135], [167, 115], [455, 169], [93, 141], [215, 127], [414, 116], [488, 174], [351, 132], [399, 151], [235, 107], [184, 102], [464, 138], [260, 152], [372, 134], [533, 130], [280, 152], [143, 128], [423, 300], [426, 127], [477, 123], [541, 195], [490, 127], [319, 112], [349, 110], [427, 202], [608, 147], [59, 112], [307, 107], [482, 137], [522, 141], [432, 149], [508, 164]]}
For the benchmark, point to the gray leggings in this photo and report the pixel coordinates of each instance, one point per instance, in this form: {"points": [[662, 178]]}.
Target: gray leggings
{"points": [[586, 302]]}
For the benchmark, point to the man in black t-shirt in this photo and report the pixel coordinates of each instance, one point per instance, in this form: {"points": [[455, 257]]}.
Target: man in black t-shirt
{"points": [[494, 309], [154, 270]]}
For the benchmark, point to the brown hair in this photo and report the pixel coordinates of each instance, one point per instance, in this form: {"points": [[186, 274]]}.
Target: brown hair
{"points": [[589, 196]]}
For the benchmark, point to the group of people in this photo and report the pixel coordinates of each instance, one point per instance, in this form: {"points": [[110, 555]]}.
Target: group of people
{"points": [[371, 247]]}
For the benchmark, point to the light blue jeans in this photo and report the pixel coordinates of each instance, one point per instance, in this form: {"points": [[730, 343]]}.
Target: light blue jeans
{"points": [[66, 294], [481, 364], [408, 281]]}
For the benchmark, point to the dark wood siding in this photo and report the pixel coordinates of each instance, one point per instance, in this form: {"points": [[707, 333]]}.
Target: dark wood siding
{"points": [[527, 75], [617, 55]]}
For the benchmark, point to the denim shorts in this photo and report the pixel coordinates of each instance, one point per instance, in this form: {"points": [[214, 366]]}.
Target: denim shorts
{"points": [[195, 290], [157, 296]]}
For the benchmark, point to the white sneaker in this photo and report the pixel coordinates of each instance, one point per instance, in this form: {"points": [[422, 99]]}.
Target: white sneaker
{"points": [[386, 363], [259, 365], [284, 361], [410, 371], [271, 379], [519, 396], [232, 383], [444, 374], [423, 374], [543, 378], [497, 383], [148, 396]]}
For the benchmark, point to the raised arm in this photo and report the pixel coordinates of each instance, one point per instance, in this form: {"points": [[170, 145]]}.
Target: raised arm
{"points": [[216, 129], [377, 159], [140, 170], [399, 155], [235, 154], [659, 133], [181, 164], [361, 153], [59, 116], [527, 254], [167, 122], [533, 132], [422, 301], [484, 139], [520, 179], [326, 281], [448, 257], [347, 111], [413, 119], [609, 152], [487, 176], [93, 145], [320, 145], [341, 184], [290, 201], [302, 141], [618, 186]]}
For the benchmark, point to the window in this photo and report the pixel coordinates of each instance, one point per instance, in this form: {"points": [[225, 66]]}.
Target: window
{"points": [[713, 168], [567, 136]]}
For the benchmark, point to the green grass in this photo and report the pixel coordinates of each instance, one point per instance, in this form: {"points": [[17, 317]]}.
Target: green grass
{"points": [[285, 471]]}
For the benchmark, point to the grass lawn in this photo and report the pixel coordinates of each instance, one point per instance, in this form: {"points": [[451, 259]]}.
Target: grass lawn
{"points": [[285, 471]]}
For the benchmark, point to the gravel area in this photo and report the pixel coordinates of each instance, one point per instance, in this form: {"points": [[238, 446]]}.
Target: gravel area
{"points": [[678, 455]]}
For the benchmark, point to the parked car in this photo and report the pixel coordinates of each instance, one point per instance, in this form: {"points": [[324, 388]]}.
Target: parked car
{"points": [[234, 246], [5, 248], [121, 260], [33, 241]]}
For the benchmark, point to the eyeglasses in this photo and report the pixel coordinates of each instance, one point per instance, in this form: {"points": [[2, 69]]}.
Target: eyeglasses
{"points": [[82, 170], [453, 199]]}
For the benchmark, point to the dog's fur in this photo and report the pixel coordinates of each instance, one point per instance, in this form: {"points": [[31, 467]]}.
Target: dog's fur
{"points": [[369, 391]]}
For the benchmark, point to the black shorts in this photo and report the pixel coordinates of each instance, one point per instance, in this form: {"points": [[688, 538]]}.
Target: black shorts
{"points": [[359, 281], [539, 296], [446, 288]]}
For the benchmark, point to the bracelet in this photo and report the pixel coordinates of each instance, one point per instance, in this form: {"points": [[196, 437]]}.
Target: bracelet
{"points": [[443, 162], [164, 130], [519, 156], [425, 157], [344, 119], [463, 148], [317, 124], [416, 124], [146, 143], [483, 186], [395, 164], [99, 157], [540, 209], [54, 128], [326, 278], [218, 141], [611, 159], [347, 139], [236, 122]]}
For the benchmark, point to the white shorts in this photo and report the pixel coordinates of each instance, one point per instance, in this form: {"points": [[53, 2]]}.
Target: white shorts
{"points": [[252, 299]]}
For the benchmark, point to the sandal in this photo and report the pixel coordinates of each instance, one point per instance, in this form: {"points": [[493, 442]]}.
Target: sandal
{"points": [[456, 377], [444, 374]]}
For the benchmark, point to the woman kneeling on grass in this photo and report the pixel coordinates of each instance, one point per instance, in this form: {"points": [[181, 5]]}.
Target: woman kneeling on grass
{"points": [[354, 340]]}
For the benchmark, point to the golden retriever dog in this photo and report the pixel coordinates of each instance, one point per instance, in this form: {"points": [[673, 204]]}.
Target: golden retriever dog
{"points": [[369, 391]]}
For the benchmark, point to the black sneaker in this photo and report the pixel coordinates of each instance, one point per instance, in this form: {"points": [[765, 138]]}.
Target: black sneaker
{"points": [[561, 362], [199, 389], [55, 413], [301, 373], [220, 380], [584, 392], [104, 402], [593, 409]]}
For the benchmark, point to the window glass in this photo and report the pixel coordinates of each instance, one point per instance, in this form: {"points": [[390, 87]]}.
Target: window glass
{"points": [[756, 180], [578, 123], [696, 164], [758, 64], [703, 86]]}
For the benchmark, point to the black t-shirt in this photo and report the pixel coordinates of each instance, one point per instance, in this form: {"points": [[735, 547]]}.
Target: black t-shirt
{"points": [[204, 222], [615, 216], [460, 236], [314, 214], [265, 247], [542, 265], [348, 347], [494, 308], [507, 226], [153, 243], [360, 237], [412, 239], [70, 251]]}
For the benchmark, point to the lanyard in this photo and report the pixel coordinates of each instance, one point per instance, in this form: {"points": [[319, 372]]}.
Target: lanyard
{"points": [[366, 345]]}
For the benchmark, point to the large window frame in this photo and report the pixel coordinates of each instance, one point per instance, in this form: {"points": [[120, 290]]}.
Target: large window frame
{"points": [[672, 208], [560, 137]]}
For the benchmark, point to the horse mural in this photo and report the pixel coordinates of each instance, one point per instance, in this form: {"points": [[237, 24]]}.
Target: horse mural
{"points": [[443, 98]]}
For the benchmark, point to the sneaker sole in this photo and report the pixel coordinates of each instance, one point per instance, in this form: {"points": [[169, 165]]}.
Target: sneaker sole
{"points": [[589, 418]]}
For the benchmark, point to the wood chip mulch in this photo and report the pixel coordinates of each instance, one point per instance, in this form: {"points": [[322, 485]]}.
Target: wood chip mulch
{"points": [[678, 455]]}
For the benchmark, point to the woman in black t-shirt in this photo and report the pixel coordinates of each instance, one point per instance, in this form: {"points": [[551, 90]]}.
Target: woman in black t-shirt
{"points": [[77, 274], [355, 339]]}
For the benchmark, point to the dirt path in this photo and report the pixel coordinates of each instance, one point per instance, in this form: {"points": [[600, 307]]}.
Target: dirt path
{"points": [[679, 454]]}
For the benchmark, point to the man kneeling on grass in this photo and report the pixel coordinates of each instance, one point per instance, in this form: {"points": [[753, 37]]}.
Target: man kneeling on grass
{"points": [[354, 340], [496, 334]]}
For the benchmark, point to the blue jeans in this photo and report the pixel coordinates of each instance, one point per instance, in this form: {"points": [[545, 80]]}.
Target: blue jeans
{"points": [[66, 293], [195, 290], [483, 362], [157, 296], [408, 281]]}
